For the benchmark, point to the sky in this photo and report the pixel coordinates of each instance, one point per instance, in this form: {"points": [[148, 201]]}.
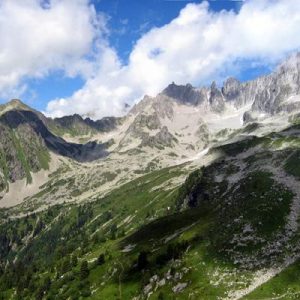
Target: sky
{"points": [[94, 56]]}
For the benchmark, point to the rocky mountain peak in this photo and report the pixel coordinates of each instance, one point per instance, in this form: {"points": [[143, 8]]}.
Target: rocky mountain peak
{"points": [[185, 94], [216, 99], [213, 86], [291, 64], [231, 89], [267, 94], [141, 105], [14, 104], [69, 119], [279, 91]]}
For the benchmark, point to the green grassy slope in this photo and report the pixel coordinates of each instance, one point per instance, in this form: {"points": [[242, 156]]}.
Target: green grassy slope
{"points": [[285, 285], [151, 238], [46, 239], [21, 152]]}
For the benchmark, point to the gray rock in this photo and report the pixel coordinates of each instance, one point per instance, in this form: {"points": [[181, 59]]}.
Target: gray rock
{"points": [[216, 99], [162, 282], [179, 287], [147, 289], [185, 94], [267, 94]]}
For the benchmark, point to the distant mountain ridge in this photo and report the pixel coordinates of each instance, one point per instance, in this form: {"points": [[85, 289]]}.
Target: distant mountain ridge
{"points": [[181, 121], [75, 125], [267, 94]]}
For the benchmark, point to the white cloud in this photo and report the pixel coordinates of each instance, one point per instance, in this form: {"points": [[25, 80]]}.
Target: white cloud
{"points": [[38, 36], [197, 46]]}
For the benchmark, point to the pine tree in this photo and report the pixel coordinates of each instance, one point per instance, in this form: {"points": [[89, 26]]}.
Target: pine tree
{"points": [[100, 260], [84, 270], [66, 266], [47, 283], [142, 260], [74, 261]]}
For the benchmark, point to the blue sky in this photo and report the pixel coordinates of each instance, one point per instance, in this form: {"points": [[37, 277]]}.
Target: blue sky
{"points": [[93, 56], [128, 20]]}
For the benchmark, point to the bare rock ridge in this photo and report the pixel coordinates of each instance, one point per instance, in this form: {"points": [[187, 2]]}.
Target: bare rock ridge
{"points": [[272, 94], [192, 117], [185, 94], [280, 88]]}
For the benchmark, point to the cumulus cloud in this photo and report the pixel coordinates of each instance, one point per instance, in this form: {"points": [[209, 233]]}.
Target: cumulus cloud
{"points": [[197, 46], [38, 36]]}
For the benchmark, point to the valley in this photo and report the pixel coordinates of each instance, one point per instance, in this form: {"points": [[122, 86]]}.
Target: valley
{"points": [[193, 194]]}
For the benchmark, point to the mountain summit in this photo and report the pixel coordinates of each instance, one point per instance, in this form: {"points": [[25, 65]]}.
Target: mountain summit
{"points": [[268, 95]]}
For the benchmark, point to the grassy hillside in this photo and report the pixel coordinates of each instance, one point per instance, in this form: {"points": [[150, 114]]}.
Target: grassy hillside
{"points": [[214, 237], [285, 285], [44, 241], [22, 151]]}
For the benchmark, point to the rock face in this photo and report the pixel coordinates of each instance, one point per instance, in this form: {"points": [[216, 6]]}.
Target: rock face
{"points": [[161, 123], [179, 287], [216, 99], [186, 94], [212, 99], [272, 94], [232, 89], [163, 138], [74, 125], [279, 88], [147, 126]]}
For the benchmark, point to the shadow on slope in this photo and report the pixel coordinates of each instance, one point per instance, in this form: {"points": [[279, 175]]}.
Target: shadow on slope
{"points": [[80, 152]]}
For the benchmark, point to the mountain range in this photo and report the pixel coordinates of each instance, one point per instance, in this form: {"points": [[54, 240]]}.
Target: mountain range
{"points": [[193, 194]]}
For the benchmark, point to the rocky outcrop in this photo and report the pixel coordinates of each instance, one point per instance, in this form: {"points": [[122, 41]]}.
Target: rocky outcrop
{"points": [[148, 129], [163, 107], [186, 94], [232, 89], [233, 93], [147, 126], [160, 140], [202, 135], [278, 88], [271, 94], [143, 121], [216, 99]]}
